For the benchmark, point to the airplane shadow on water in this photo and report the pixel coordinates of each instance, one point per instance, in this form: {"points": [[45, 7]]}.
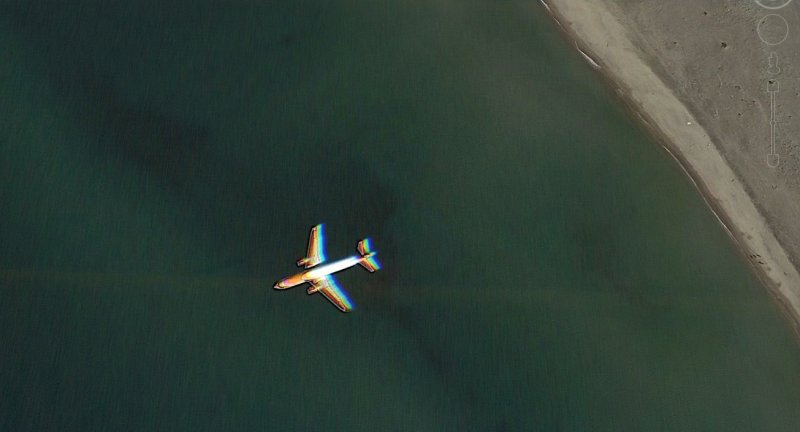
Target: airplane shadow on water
{"points": [[251, 207], [252, 214]]}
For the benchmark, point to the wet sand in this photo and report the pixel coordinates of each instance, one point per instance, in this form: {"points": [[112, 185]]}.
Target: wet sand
{"points": [[609, 41]]}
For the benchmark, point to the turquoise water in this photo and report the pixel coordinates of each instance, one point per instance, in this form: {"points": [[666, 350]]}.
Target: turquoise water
{"points": [[546, 265]]}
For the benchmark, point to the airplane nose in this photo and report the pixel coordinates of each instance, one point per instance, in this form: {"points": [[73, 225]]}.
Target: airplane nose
{"points": [[289, 282]]}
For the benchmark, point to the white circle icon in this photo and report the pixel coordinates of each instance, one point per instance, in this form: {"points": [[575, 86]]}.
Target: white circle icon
{"points": [[773, 4], [772, 29]]}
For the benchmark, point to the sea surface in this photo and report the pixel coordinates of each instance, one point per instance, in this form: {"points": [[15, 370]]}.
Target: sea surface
{"points": [[547, 266]]}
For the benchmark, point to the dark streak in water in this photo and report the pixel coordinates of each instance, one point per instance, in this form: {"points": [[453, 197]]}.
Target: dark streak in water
{"points": [[173, 149]]}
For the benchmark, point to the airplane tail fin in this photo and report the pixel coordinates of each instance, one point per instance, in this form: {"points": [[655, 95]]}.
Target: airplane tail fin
{"points": [[368, 259]]}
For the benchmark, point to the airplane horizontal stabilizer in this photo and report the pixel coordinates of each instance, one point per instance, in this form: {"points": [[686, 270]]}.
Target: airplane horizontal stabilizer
{"points": [[370, 262], [364, 247]]}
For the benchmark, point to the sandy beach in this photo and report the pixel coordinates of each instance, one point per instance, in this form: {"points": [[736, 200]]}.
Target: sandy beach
{"points": [[619, 44]]}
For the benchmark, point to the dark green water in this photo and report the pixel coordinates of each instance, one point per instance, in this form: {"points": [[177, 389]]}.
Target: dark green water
{"points": [[547, 267]]}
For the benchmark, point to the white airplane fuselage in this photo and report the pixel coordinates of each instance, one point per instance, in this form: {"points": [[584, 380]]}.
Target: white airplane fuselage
{"points": [[319, 272]]}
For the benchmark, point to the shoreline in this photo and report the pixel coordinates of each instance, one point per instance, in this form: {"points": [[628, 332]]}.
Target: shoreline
{"points": [[602, 40]]}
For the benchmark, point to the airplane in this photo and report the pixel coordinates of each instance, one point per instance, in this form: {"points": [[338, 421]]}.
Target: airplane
{"points": [[321, 277]]}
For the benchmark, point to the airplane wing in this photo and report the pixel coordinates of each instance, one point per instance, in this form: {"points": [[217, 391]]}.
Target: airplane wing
{"points": [[333, 292], [316, 251]]}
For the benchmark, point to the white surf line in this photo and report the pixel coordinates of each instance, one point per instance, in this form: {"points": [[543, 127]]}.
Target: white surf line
{"points": [[587, 57], [594, 24], [552, 15], [546, 6]]}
